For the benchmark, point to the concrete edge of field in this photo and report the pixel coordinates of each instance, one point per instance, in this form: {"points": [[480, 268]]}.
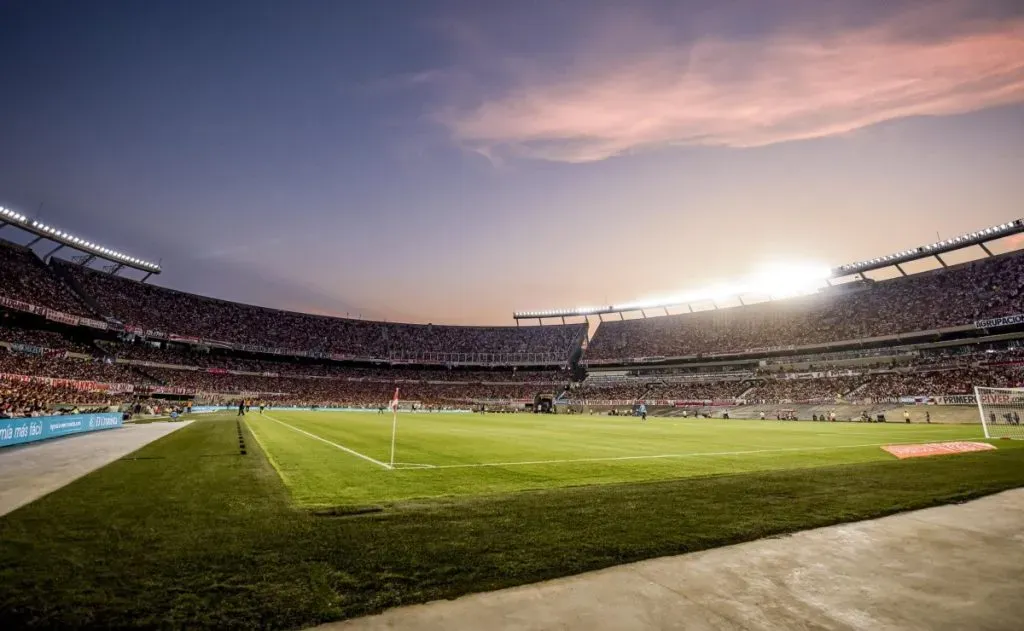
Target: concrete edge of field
{"points": [[28, 472], [958, 566]]}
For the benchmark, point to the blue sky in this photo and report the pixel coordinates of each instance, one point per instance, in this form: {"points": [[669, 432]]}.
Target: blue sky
{"points": [[454, 161]]}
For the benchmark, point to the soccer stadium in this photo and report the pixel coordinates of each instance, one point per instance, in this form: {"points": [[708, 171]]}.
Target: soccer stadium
{"points": [[556, 413], [417, 441]]}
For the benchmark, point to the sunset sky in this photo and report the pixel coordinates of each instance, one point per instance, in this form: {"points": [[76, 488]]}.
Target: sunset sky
{"points": [[453, 161]]}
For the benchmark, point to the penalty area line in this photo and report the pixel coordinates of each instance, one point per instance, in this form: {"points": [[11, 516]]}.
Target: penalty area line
{"points": [[682, 455], [332, 444]]}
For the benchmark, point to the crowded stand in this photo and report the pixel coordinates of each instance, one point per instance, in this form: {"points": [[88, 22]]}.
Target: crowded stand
{"points": [[346, 362], [181, 355], [155, 308], [619, 391], [57, 367], [42, 339], [359, 391], [941, 382], [32, 399], [698, 390], [804, 389], [956, 296], [23, 277]]}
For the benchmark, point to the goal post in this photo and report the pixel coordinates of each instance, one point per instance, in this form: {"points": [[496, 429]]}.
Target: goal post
{"points": [[1001, 410]]}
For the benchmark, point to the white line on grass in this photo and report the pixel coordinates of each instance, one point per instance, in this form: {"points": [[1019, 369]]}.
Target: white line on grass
{"points": [[332, 444], [684, 455]]}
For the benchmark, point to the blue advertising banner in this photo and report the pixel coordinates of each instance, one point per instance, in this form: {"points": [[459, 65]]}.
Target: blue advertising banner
{"points": [[15, 431]]}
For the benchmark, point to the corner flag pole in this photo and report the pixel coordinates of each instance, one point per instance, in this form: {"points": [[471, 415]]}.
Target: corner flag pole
{"points": [[394, 427]]}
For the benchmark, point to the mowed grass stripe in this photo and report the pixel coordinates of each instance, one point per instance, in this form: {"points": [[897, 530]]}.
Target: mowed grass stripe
{"points": [[331, 443], [306, 465], [711, 454], [475, 454]]}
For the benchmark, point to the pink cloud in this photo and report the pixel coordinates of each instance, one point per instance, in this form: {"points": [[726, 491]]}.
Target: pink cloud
{"points": [[745, 93]]}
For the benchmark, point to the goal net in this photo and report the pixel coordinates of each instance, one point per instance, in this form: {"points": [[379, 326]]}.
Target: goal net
{"points": [[1001, 410]]}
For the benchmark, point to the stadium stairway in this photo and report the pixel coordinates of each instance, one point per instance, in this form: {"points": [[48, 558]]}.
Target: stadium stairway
{"points": [[857, 389], [148, 376], [74, 286], [747, 392]]}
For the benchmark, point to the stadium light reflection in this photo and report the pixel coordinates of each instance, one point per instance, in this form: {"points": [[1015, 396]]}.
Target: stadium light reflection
{"points": [[779, 280], [784, 281]]}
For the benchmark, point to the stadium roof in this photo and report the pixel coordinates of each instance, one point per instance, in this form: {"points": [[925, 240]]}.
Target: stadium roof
{"points": [[63, 239], [977, 238]]}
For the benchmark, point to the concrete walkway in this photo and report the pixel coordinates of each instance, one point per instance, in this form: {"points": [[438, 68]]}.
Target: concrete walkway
{"points": [[28, 472], [952, 567]]}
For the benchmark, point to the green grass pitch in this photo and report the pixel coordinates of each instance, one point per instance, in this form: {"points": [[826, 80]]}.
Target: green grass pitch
{"points": [[189, 533], [340, 458]]}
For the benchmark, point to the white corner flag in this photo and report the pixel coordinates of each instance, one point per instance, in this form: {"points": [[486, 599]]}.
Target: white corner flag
{"points": [[394, 426]]}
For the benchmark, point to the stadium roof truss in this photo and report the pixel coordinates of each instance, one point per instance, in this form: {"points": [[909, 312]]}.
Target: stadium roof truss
{"points": [[90, 251], [932, 250]]}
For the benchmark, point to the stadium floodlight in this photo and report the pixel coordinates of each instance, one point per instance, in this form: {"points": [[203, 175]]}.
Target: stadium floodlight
{"points": [[9, 214], [66, 238]]}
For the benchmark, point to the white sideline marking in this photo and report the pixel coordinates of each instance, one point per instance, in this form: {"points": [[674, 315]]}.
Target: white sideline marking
{"points": [[684, 455], [324, 440]]}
